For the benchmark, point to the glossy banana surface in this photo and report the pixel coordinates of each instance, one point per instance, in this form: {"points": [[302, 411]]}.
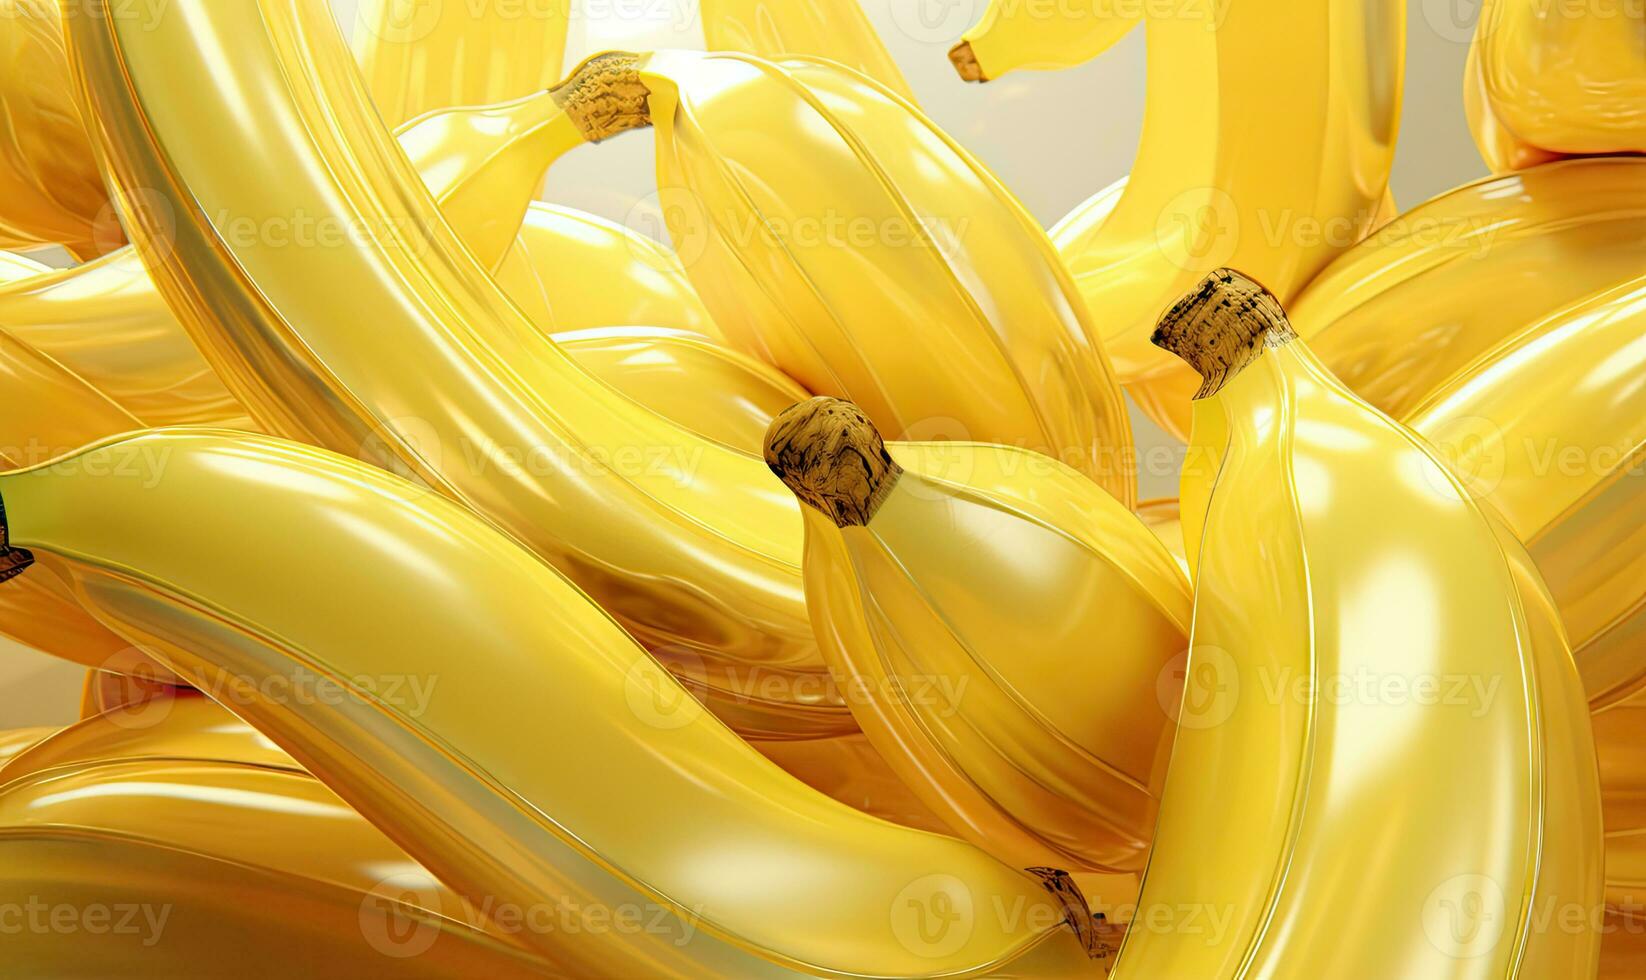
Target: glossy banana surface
{"points": [[182, 822], [838, 30], [849, 769], [50, 190], [1380, 711], [1164, 517], [423, 56], [396, 347], [1013, 35], [1002, 626], [1550, 80], [621, 793], [1273, 165], [1398, 315]]}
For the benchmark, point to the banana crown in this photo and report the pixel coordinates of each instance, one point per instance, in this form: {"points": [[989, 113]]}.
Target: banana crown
{"points": [[1226, 323]]}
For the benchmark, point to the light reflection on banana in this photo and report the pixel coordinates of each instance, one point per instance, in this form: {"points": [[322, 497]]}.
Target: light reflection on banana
{"points": [[186, 815], [867, 255], [1270, 164], [1545, 81], [659, 805], [398, 348], [1452, 838]]}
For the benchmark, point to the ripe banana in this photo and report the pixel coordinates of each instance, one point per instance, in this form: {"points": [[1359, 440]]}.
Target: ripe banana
{"points": [[1398, 315], [189, 817], [1330, 766], [928, 567], [1164, 518], [397, 347], [866, 255], [1278, 172], [50, 189], [1548, 80], [838, 30], [422, 56], [1015, 35], [413, 716]]}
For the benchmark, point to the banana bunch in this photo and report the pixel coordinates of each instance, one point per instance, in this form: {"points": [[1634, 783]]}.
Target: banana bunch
{"points": [[838, 30], [1014, 36], [414, 716], [1271, 164], [865, 254], [421, 56], [49, 181], [1546, 81], [184, 825], [1381, 712], [929, 567], [396, 346]]}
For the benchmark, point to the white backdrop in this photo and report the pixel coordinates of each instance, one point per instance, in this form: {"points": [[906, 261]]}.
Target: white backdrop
{"points": [[1018, 125]]}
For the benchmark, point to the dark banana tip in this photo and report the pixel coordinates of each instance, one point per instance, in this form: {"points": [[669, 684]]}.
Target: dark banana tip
{"points": [[12, 560], [605, 95], [1224, 324], [965, 63], [831, 456]]}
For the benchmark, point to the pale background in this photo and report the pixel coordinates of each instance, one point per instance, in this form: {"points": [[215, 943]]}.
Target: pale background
{"points": [[1020, 126]]}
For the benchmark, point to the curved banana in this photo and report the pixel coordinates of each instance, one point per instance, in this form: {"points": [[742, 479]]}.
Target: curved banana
{"points": [[412, 715], [1388, 719], [1545, 81], [51, 192], [397, 347], [1270, 164], [191, 818], [1398, 315], [1013, 35], [928, 567], [838, 30], [422, 56], [866, 255]]}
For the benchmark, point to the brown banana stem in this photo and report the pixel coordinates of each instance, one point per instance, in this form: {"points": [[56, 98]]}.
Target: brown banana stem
{"points": [[605, 96], [831, 456], [1222, 326], [965, 62]]}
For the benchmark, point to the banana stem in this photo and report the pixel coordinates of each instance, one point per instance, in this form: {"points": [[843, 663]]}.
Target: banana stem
{"points": [[1225, 324], [605, 95], [831, 456], [12, 560], [965, 63]]}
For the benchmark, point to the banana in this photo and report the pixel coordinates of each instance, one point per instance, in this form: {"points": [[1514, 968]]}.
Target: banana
{"points": [[1014, 35], [866, 255], [192, 817], [419, 57], [928, 568], [621, 793], [1322, 767], [1270, 164], [396, 347], [838, 30], [50, 190], [1545, 81], [1398, 315]]}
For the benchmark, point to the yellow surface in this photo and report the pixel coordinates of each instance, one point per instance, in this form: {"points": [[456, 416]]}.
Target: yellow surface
{"points": [[524, 749], [838, 30], [1014, 35]]}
